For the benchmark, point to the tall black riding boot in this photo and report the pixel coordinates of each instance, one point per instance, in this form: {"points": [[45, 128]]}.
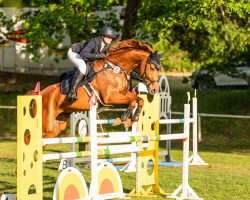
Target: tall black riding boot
{"points": [[76, 80]]}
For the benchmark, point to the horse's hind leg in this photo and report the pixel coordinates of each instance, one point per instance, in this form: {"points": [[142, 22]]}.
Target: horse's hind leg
{"points": [[53, 126], [61, 122]]}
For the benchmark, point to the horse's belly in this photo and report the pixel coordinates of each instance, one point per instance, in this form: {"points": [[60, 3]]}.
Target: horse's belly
{"points": [[81, 104]]}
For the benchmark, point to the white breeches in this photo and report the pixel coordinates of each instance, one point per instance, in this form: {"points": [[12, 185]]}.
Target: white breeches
{"points": [[77, 61]]}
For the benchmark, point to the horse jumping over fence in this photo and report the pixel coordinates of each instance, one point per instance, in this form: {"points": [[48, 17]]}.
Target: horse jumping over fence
{"points": [[111, 85]]}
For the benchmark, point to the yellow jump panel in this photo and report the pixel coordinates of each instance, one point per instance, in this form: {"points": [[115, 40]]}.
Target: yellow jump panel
{"points": [[29, 148], [147, 161]]}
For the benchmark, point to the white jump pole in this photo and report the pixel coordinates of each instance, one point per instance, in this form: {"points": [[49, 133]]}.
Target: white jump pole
{"points": [[171, 121], [130, 166], [195, 159], [80, 118], [100, 151], [130, 139], [186, 192], [120, 147], [94, 157], [83, 117], [65, 140], [94, 191]]}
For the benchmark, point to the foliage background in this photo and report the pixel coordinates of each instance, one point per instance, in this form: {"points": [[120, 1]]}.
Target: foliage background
{"points": [[194, 33]]}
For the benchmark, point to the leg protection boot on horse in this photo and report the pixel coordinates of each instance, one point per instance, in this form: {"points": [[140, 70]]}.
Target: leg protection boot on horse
{"points": [[76, 80]]}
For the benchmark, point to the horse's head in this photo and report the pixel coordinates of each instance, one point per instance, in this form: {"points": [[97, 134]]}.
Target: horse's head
{"points": [[131, 54], [150, 72]]}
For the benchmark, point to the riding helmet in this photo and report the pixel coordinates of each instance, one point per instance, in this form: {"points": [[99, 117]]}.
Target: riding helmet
{"points": [[108, 31]]}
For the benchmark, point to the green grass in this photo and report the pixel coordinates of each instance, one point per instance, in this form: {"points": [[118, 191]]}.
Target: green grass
{"points": [[7, 116], [217, 133], [227, 176], [225, 146]]}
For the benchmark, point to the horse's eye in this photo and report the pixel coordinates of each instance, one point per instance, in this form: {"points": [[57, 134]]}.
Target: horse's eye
{"points": [[152, 68]]}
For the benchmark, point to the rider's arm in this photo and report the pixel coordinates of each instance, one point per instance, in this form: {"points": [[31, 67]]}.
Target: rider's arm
{"points": [[86, 51]]}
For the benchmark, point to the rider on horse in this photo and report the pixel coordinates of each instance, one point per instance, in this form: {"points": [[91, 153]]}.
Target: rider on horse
{"points": [[80, 53]]}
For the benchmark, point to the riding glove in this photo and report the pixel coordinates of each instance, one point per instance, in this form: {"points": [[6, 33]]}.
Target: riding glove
{"points": [[100, 55]]}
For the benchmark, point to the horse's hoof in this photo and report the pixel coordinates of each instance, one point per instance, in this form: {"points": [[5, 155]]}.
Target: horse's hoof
{"points": [[128, 123], [135, 119], [117, 121]]}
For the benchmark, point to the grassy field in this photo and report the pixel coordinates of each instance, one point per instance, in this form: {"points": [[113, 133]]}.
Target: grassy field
{"points": [[227, 176], [225, 146]]}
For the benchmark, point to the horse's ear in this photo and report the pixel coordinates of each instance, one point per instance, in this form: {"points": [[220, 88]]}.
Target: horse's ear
{"points": [[162, 54]]}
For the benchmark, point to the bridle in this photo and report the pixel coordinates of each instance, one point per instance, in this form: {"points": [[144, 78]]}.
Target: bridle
{"points": [[144, 75], [145, 78]]}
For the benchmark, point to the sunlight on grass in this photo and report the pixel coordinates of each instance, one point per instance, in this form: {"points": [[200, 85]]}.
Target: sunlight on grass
{"points": [[227, 176]]}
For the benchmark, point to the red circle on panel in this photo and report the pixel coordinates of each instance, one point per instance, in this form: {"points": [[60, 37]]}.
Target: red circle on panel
{"points": [[71, 193], [106, 187]]}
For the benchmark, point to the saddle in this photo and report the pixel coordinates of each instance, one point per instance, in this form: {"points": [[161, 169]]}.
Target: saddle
{"points": [[67, 80]]}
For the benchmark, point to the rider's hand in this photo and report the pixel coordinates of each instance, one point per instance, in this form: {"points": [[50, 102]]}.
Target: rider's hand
{"points": [[100, 55]]}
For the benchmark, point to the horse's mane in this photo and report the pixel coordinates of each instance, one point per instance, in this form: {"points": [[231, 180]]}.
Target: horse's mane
{"points": [[130, 44]]}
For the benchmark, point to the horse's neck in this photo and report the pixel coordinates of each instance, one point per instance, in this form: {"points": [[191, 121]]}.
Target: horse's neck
{"points": [[126, 61]]}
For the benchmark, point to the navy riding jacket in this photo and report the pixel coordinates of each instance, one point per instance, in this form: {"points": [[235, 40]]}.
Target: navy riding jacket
{"points": [[89, 50]]}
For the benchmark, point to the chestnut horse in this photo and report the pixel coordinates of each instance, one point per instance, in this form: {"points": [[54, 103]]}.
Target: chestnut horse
{"points": [[112, 86]]}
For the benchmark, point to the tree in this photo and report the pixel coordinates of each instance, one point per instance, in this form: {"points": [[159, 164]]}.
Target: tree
{"points": [[130, 21], [50, 21], [208, 31], [194, 33]]}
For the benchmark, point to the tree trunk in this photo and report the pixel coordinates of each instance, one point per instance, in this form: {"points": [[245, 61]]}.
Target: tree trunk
{"points": [[130, 19]]}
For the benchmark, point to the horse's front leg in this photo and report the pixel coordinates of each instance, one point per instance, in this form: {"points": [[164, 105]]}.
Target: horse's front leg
{"points": [[125, 116], [118, 98], [136, 114]]}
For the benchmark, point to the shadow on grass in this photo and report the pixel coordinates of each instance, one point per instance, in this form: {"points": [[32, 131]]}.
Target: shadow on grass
{"points": [[53, 150], [7, 139], [7, 187], [49, 179], [125, 190], [6, 160]]}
